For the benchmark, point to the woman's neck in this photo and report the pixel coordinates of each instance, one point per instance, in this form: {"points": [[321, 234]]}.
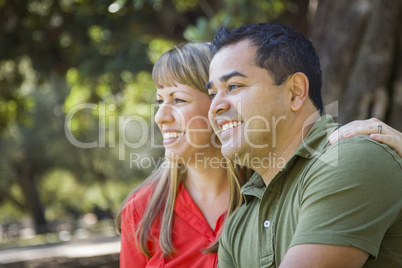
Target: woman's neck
{"points": [[209, 189], [207, 180]]}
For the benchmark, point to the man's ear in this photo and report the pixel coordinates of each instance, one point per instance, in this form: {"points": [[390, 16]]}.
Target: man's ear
{"points": [[299, 87]]}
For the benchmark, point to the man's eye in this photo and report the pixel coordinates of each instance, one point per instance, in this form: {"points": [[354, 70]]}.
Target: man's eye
{"points": [[231, 87], [212, 95]]}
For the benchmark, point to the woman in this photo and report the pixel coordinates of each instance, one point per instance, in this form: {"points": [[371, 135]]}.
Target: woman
{"points": [[173, 219], [175, 216]]}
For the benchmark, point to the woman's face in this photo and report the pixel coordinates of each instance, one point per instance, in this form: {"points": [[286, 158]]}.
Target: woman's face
{"points": [[183, 120]]}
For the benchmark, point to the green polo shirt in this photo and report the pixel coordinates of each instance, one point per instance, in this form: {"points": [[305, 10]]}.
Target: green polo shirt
{"points": [[348, 193]]}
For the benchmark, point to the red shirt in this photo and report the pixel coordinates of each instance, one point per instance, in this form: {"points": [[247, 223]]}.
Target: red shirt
{"points": [[191, 234]]}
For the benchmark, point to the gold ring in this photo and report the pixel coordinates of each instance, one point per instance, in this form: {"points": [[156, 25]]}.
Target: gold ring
{"points": [[379, 128]]}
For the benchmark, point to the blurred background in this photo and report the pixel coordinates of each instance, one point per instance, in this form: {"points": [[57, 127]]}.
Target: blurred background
{"points": [[76, 101]]}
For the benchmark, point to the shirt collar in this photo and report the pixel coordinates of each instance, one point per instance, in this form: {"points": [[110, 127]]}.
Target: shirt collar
{"points": [[316, 139], [311, 146]]}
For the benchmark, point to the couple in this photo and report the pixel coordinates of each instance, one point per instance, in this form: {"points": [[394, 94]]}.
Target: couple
{"points": [[314, 202]]}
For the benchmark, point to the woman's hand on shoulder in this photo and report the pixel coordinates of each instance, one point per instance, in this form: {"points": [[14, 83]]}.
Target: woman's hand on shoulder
{"points": [[378, 131]]}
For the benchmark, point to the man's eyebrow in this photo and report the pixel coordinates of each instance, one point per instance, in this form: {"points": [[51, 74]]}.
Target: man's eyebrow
{"points": [[224, 78]]}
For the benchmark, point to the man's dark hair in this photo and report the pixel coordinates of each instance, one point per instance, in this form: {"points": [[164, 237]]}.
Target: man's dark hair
{"points": [[281, 50]]}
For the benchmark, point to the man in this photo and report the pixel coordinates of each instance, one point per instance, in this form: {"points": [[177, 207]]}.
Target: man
{"points": [[317, 205]]}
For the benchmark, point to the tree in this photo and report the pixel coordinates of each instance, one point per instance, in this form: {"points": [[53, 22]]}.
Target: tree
{"points": [[360, 47], [98, 52], [55, 55]]}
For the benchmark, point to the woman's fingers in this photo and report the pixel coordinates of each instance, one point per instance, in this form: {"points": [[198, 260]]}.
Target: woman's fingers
{"points": [[357, 127], [393, 140], [378, 131]]}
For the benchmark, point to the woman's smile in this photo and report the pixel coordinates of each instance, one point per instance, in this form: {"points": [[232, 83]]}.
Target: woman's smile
{"points": [[171, 136]]}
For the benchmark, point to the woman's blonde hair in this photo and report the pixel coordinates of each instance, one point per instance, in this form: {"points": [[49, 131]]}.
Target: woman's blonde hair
{"points": [[187, 65]]}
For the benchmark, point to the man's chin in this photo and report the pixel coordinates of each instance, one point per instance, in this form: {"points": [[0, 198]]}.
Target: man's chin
{"points": [[232, 154]]}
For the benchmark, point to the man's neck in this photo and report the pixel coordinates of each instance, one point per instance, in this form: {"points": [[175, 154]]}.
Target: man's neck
{"points": [[285, 151]]}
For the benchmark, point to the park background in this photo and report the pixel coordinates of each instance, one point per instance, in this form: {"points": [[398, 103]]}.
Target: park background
{"points": [[76, 94]]}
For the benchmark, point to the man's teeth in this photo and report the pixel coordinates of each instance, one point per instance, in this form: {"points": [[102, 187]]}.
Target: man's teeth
{"points": [[231, 125], [168, 135]]}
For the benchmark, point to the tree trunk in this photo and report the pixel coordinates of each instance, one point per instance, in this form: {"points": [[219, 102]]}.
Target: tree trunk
{"points": [[360, 47], [28, 186]]}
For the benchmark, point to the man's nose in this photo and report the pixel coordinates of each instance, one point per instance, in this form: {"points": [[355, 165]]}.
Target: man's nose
{"points": [[219, 104]]}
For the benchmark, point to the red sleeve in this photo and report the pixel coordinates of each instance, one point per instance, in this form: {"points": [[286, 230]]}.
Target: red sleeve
{"points": [[130, 255]]}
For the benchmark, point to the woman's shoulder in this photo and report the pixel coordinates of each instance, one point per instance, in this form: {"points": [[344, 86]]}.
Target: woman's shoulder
{"points": [[138, 199]]}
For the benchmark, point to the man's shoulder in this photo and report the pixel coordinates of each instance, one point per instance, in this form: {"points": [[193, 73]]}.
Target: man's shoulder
{"points": [[360, 152], [350, 195], [365, 144], [356, 161]]}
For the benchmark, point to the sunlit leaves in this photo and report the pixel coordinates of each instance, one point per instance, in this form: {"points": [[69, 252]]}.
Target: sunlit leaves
{"points": [[202, 31], [57, 55], [59, 188], [116, 6], [79, 92], [138, 95], [157, 47], [183, 5], [39, 7], [236, 13], [16, 104], [66, 5], [95, 33], [9, 210]]}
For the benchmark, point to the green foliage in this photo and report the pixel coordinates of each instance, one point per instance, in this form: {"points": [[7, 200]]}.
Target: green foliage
{"points": [[236, 13], [62, 193], [57, 55], [9, 211]]}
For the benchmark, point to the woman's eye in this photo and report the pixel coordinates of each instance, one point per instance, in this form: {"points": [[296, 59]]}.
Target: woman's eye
{"points": [[176, 100], [212, 95], [159, 102]]}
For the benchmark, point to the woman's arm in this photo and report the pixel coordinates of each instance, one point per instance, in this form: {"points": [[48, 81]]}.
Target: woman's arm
{"points": [[377, 129]]}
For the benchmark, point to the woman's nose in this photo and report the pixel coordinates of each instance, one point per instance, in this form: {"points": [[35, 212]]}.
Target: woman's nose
{"points": [[164, 114]]}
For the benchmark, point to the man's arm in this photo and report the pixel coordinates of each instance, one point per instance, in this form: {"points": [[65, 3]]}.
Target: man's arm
{"points": [[224, 258], [323, 256], [346, 208]]}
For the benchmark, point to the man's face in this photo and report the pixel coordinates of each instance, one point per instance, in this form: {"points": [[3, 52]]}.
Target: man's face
{"points": [[247, 108]]}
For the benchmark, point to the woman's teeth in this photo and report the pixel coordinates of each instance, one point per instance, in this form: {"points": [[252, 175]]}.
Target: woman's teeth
{"points": [[168, 135]]}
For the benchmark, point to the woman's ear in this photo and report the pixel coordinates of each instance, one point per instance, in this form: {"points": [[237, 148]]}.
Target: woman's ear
{"points": [[299, 89]]}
